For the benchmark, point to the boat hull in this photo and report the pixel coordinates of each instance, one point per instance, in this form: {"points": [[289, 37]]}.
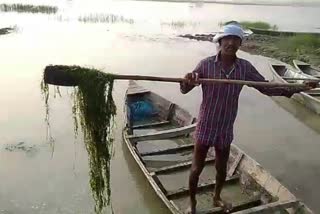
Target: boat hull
{"points": [[262, 193], [306, 99]]}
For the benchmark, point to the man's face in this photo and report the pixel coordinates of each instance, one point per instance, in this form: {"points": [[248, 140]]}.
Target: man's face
{"points": [[230, 45]]}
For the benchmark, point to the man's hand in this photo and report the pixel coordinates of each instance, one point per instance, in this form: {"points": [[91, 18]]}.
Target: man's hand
{"points": [[308, 86], [191, 80], [311, 84]]}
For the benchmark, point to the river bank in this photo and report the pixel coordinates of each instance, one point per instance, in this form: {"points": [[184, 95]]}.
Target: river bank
{"points": [[284, 49]]}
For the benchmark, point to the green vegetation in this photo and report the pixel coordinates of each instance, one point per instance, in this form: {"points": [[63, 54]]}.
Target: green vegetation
{"points": [[7, 30], [104, 18], [27, 8], [249, 24], [94, 110], [300, 43], [302, 47], [259, 25], [285, 48]]}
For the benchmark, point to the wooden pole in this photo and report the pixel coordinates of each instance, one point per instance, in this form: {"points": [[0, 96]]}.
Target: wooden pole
{"points": [[230, 81], [64, 77]]}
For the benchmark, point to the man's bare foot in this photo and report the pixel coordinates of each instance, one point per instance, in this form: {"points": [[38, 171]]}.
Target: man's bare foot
{"points": [[192, 208], [218, 202]]}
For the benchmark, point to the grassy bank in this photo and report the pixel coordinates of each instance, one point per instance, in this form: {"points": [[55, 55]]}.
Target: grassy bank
{"points": [[259, 24], [302, 47], [249, 24]]}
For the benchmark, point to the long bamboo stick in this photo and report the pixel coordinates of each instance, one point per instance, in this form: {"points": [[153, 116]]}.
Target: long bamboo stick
{"points": [[64, 78], [201, 80]]}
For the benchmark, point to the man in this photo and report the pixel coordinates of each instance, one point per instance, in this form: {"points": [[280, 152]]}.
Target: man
{"points": [[219, 107]]}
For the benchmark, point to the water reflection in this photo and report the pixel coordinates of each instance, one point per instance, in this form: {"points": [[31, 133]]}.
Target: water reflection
{"points": [[300, 112]]}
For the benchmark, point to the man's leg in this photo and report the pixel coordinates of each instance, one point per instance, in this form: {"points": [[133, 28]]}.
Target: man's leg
{"points": [[221, 160], [198, 162]]}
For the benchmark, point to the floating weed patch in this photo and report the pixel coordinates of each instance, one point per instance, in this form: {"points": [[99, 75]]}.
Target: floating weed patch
{"points": [[7, 30], [28, 8], [104, 18], [93, 111], [179, 24]]}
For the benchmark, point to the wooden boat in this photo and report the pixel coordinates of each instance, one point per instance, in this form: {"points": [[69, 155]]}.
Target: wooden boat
{"points": [[280, 33], [160, 142], [281, 71], [306, 68]]}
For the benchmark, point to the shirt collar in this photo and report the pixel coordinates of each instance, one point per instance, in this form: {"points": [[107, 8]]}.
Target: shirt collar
{"points": [[218, 59]]}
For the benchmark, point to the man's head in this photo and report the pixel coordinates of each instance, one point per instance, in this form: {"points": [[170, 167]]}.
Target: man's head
{"points": [[229, 39]]}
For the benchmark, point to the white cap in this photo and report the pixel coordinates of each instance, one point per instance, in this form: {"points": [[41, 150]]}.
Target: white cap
{"points": [[229, 30]]}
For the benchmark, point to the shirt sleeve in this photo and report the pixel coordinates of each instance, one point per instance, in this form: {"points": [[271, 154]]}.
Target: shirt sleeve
{"points": [[199, 69], [253, 75]]}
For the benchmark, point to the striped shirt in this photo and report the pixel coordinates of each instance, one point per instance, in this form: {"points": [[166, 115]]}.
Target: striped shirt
{"points": [[219, 105]]}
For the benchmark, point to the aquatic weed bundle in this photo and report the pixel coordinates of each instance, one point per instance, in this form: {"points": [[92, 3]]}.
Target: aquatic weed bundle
{"points": [[93, 109]]}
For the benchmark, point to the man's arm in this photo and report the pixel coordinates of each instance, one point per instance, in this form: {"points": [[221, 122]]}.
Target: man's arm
{"points": [[253, 75]]}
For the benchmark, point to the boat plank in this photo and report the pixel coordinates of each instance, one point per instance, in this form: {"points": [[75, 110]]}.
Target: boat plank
{"points": [[163, 134], [171, 111], [314, 94], [174, 205], [169, 151], [158, 182], [148, 125], [134, 91], [179, 166], [236, 207], [134, 88], [202, 186], [269, 208], [234, 165]]}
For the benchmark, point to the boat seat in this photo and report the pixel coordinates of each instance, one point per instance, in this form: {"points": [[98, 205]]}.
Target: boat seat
{"points": [[270, 208], [148, 125], [169, 151], [236, 207], [163, 134]]}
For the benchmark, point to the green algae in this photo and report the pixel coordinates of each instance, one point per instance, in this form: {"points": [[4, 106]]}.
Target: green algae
{"points": [[93, 111]]}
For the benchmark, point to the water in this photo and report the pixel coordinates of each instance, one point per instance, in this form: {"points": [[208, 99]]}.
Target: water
{"points": [[280, 134]]}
